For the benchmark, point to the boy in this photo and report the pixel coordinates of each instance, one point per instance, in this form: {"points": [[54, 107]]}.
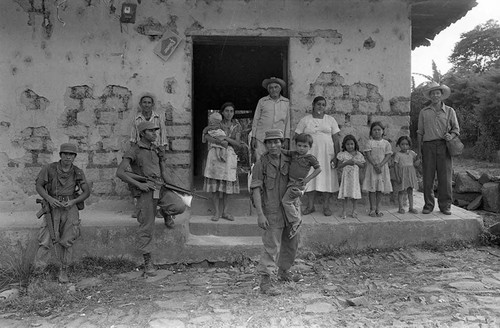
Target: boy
{"points": [[301, 163]]}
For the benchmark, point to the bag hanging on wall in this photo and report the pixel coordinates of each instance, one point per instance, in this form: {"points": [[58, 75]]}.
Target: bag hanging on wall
{"points": [[455, 145]]}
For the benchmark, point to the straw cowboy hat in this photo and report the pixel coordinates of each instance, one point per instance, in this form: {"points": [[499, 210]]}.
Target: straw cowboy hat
{"points": [[266, 82], [435, 86]]}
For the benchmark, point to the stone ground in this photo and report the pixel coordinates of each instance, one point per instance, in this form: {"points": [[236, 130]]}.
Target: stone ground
{"points": [[402, 288]]}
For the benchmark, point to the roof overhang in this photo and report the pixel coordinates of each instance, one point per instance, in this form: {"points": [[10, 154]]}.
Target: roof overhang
{"points": [[429, 17]]}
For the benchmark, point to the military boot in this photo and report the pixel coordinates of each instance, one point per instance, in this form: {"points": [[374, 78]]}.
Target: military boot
{"points": [[266, 286], [63, 275], [149, 267]]}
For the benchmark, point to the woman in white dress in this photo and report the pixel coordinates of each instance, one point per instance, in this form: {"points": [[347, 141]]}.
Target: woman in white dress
{"points": [[326, 144]]}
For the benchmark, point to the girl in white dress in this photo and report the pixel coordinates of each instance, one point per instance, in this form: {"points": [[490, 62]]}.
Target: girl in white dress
{"points": [[405, 161], [377, 177], [350, 160]]}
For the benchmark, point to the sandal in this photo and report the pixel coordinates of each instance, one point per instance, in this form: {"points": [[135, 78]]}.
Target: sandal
{"points": [[412, 210], [228, 217], [372, 213], [215, 218], [401, 211], [354, 215], [379, 214], [308, 210]]}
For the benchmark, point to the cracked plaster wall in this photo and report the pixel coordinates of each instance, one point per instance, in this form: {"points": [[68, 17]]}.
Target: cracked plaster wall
{"points": [[47, 52]]}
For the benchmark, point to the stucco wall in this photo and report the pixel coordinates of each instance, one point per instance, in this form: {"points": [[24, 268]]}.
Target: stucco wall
{"points": [[74, 74]]}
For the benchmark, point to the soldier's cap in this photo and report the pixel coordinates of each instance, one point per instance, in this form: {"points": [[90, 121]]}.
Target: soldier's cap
{"points": [[274, 134], [146, 125], [68, 148]]}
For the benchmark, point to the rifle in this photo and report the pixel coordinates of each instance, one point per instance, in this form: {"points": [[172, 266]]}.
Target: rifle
{"points": [[45, 210], [181, 190]]}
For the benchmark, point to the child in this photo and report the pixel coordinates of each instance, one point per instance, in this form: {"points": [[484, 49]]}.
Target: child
{"points": [[350, 160], [300, 165], [406, 176], [377, 177], [214, 130]]}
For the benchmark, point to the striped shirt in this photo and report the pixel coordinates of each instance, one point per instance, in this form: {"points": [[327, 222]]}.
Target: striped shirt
{"points": [[158, 120]]}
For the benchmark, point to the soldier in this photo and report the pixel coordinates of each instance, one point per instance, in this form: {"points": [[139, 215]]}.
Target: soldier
{"points": [[57, 183], [269, 184], [147, 160]]}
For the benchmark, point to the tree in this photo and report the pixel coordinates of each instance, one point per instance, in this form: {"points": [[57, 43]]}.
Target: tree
{"points": [[478, 50]]}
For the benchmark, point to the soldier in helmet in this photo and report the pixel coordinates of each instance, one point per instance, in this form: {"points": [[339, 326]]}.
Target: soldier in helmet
{"points": [[146, 160], [56, 183]]}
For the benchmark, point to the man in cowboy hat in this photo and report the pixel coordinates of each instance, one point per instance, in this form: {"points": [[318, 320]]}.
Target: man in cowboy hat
{"points": [[437, 123], [57, 183], [146, 159], [268, 186], [272, 112]]}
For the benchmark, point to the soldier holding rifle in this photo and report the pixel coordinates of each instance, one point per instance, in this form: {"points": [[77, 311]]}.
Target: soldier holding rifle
{"points": [[57, 184], [146, 160]]}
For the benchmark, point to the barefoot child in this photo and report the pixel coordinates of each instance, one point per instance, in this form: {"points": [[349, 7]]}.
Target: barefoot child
{"points": [[300, 165], [406, 177], [350, 161], [377, 177]]}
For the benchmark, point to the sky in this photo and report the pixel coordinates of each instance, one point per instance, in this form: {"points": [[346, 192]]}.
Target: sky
{"points": [[442, 45]]}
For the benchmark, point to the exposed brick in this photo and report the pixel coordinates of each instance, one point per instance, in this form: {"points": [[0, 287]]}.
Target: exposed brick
{"points": [[82, 160], [104, 159], [89, 104], [343, 105], [107, 173], [102, 187], [330, 77], [339, 117], [316, 90], [333, 91], [41, 131], [93, 174], [114, 104], [359, 120], [105, 130], [181, 144], [393, 121], [107, 117], [77, 131], [81, 92], [358, 91], [32, 101], [367, 107], [34, 143], [44, 158], [400, 105], [178, 158], [179, 130], [109, 144]]}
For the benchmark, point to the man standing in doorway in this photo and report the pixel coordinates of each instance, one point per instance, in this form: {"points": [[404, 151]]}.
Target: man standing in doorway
{"points": [[268, 186], [272, 112], [146, 160], [437, 123]]}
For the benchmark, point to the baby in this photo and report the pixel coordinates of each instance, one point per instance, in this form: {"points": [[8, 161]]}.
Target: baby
{"points": [[214, 130]]}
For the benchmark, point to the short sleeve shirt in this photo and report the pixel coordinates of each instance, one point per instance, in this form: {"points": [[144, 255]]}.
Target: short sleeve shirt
{"points": [[60, 183], [145, 160], [301, 165]]}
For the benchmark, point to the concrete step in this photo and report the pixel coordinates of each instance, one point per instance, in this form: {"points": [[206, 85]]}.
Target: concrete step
{"points": [[241, 226], [238, 204]]}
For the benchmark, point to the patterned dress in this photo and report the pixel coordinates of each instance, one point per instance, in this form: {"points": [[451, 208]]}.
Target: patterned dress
{"points": [[349, 183], [222, 176], [321, 130], [374, 181], [406, 170]]}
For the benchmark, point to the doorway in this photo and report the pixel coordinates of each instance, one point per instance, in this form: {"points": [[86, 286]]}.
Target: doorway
{"points": [[232, 69]]}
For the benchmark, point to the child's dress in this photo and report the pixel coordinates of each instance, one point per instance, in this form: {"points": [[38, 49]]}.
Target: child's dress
{"points": [[373, 181], [349, 183], [406, 170]]}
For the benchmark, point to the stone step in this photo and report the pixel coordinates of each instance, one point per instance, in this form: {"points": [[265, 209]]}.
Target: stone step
{"points": [[242, 226], [217, 248], [238, 205]]}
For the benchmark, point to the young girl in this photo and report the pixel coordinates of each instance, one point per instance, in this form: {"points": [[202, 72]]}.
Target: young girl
{"points": [[350, 160], [377, 177], [406, 177]]}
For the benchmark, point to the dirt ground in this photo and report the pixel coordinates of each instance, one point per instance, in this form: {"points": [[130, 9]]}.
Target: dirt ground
{"points": [[403, 288]]}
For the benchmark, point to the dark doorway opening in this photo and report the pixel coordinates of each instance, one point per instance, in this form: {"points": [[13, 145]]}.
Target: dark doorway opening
{"points": [[232, 69]]}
